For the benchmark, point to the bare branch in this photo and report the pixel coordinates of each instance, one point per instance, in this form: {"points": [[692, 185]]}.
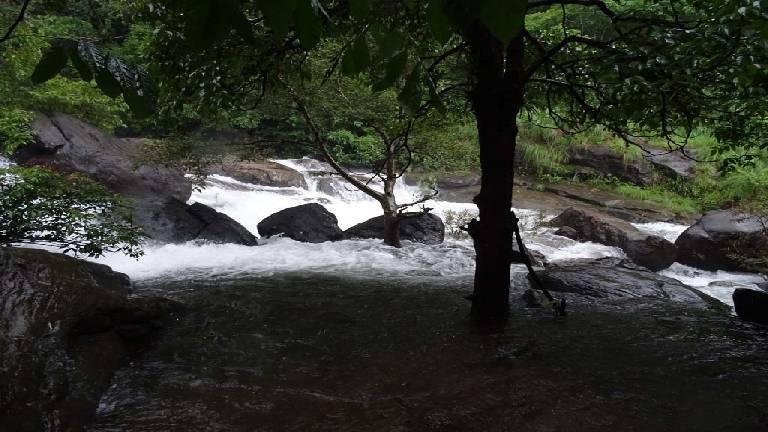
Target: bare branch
{"points": [[19, 19], [317, 136], [423, 199]]}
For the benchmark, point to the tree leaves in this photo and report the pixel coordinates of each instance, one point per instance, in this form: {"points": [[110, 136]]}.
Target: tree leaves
{"points": [[113, 76], [393, 70], [360, 9], [357, 58], [52, 62], [410, 96], [504, 18], [208, 21], [438, 22], [308, 25]]}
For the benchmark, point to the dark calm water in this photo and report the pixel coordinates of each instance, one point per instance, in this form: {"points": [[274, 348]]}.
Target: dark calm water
{"points": [[325, 353]]}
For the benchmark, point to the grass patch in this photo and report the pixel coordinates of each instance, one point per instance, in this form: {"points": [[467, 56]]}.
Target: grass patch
{"points": [[665, 198]]}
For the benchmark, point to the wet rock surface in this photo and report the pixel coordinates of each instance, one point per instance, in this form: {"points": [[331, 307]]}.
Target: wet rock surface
{"points": [[260, 172], [609, 279], [310, 223], [725, 240], [644, 249], [157, 195], [424, 228], [751, 305], [65, 326], [70, 145], [332, 354]]}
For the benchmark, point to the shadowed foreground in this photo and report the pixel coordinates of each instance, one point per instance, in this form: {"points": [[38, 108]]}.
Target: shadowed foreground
{"points": [[325, 354]]}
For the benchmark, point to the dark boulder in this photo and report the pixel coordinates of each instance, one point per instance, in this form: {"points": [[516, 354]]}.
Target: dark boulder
{"points": [[260, 172], [650, 251], [310, 223], [417, 227], [218, 227], [65, 326], [609, 279], [725, 240], [157, 194], [751, 305], [603, 159]]}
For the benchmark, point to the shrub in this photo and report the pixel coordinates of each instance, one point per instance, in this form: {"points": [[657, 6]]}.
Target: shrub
{"points": [[72, 212]]}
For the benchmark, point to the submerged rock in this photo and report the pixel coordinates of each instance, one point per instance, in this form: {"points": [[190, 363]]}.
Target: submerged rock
{"points": [[725, 240], [65, 326], [751, 305], [615, 279], [260, 172], [650, 251], [156, 194], [310, 223], [419, 227]]}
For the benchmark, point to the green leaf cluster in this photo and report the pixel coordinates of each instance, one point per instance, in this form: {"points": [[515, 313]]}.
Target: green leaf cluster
{"points": [[71, 212]]}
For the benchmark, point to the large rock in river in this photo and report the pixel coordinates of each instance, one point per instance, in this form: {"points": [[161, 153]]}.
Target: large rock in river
{"points": [[650, 251], [157, 194], [417, 227], [260, 172], [610, 279], [751, 305], [65, 326], [310, 223], [725, 240]]}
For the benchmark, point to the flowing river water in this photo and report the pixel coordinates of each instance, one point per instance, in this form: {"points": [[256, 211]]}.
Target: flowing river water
{"points": [[357, 336], [249, 204]]}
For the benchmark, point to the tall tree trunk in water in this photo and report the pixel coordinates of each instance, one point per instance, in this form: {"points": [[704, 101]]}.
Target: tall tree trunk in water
{"points": [[497, 97], [389, 203]]}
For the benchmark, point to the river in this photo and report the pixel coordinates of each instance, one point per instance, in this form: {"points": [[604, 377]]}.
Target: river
{"points": [[249, 204]]}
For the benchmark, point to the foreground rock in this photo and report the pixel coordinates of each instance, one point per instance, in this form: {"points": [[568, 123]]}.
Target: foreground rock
{"points": [[310, 223], [725, 240], [260, 172], [650, 251], [751, 305], [158, 195], [616, 279], [65, 326], [419, 227]]}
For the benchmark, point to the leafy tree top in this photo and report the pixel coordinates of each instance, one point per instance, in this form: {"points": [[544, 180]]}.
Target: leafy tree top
{"points": [[640, 68]]}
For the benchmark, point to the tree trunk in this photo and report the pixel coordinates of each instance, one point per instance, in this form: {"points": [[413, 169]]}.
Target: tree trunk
{"points": [[389, 203], [496, 97], [392, 229]]}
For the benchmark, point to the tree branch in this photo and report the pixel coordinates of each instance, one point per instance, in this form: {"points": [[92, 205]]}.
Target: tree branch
{"points": [[19, 19], [320, 142]]}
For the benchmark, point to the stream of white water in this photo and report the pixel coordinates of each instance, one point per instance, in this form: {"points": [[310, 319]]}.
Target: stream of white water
{"points": [[249, 204]]}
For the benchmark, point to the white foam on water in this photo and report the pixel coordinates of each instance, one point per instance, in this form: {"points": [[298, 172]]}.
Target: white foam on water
{"points": [[665, 230], [249, 204], [362, 258], [718, 284]]}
